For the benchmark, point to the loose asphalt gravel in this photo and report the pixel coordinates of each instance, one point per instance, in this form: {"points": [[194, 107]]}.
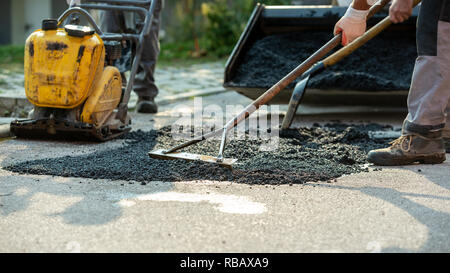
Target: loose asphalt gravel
{"points": [[303, 155], [386, 63]]}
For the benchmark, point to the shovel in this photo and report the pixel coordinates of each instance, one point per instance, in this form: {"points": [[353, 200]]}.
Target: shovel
{"points": [[309, 66]]}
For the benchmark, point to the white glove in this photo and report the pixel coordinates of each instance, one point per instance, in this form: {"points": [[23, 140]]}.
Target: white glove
{"points": [[352, 25], [371, 2]]}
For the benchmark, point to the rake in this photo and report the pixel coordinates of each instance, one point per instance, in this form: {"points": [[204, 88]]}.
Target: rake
{"points": [[308, 67]]}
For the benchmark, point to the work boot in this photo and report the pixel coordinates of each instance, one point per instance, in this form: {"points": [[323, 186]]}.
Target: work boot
{"points": [[410, 149], [146, 106]]}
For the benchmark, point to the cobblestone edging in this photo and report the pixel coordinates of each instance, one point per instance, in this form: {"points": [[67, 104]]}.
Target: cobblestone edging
{"points": [[176, 83], [14, 105]]}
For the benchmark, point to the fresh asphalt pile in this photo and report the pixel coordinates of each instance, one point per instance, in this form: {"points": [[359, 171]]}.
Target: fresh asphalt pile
{"points": [[384, 64], [303, 155]]}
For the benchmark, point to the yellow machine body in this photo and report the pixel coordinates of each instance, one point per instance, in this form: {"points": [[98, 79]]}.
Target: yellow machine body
{"points": [[61, 70], [67, 72], [75, 94], [106, 95]]}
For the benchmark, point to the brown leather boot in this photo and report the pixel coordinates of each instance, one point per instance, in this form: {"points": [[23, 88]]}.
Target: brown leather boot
{"points": [[146, 106], [410, 149]]}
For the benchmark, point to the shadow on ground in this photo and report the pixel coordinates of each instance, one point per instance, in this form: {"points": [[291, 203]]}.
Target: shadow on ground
{"points": [[17, 191], [90, 203], [437, 222]]}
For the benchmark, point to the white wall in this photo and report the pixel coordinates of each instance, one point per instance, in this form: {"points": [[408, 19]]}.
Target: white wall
{"points": [[5, 22], [18, 22], [27, 17]]}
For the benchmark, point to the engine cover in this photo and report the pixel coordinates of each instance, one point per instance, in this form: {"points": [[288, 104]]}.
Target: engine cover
{"points": [[61, 69]]}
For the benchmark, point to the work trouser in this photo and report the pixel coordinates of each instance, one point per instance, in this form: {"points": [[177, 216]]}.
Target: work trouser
{"points": [[118, 22], [429, 97]]}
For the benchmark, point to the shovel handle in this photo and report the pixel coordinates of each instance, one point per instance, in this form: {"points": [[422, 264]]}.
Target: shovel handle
{"points": [[336, 41], [352, 47], [377, 7]]}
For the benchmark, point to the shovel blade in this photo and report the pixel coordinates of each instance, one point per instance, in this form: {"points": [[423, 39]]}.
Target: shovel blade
{"points": [[296, 98], [160, 154]]}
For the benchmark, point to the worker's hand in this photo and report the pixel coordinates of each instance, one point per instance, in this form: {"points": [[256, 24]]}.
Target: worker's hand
{"points": [[401, 10], [352, 25], [76, 2]]}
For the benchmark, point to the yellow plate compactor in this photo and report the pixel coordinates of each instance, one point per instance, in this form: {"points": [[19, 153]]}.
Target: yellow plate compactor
{"points": [[70, 76]]}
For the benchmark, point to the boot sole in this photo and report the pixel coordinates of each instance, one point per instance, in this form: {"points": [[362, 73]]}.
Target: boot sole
{"points": [[421, 159]]}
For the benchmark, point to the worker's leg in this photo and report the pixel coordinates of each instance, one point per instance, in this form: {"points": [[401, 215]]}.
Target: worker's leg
{"points": [[430, 88], [115, 22], [429, 95], [145, 86], [112, 21]]}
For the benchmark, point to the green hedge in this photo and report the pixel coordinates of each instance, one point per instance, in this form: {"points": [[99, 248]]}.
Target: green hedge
{"points": [[211, 28], [11, 54], [225, 22]]}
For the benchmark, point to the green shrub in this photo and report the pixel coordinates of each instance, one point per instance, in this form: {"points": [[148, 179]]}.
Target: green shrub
{"points": [[11, 54], [225, 22], [209, 27]]}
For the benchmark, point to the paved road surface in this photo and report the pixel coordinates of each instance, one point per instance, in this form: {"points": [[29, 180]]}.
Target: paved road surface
{"points": [[403, 209]]}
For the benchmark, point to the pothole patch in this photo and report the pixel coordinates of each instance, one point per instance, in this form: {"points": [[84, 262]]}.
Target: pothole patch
{"points": [[302, 155]]}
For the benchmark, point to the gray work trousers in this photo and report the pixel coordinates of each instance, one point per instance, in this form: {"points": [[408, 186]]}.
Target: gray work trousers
{"points": [[429, 97], [125, 22]]}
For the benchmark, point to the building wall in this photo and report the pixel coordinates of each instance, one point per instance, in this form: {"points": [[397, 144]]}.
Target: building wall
{"points": [[26, 17], [5, 22], [35, 11], [18, 22]]}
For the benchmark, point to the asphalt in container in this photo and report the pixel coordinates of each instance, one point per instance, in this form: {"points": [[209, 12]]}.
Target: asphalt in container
{"points": [[303, 155], [385, 63]]}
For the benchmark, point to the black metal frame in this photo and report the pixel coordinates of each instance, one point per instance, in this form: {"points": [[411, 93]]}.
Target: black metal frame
{"points": [[145, 9], [51, 128]]}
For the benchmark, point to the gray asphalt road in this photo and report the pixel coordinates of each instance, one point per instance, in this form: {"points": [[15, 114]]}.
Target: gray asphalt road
{"points": [[396, 210], [404, 209]]}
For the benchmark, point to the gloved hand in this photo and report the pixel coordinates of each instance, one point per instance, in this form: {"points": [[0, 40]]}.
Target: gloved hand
{"points": [[401, 10], [352, 25], [76, 2]]}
